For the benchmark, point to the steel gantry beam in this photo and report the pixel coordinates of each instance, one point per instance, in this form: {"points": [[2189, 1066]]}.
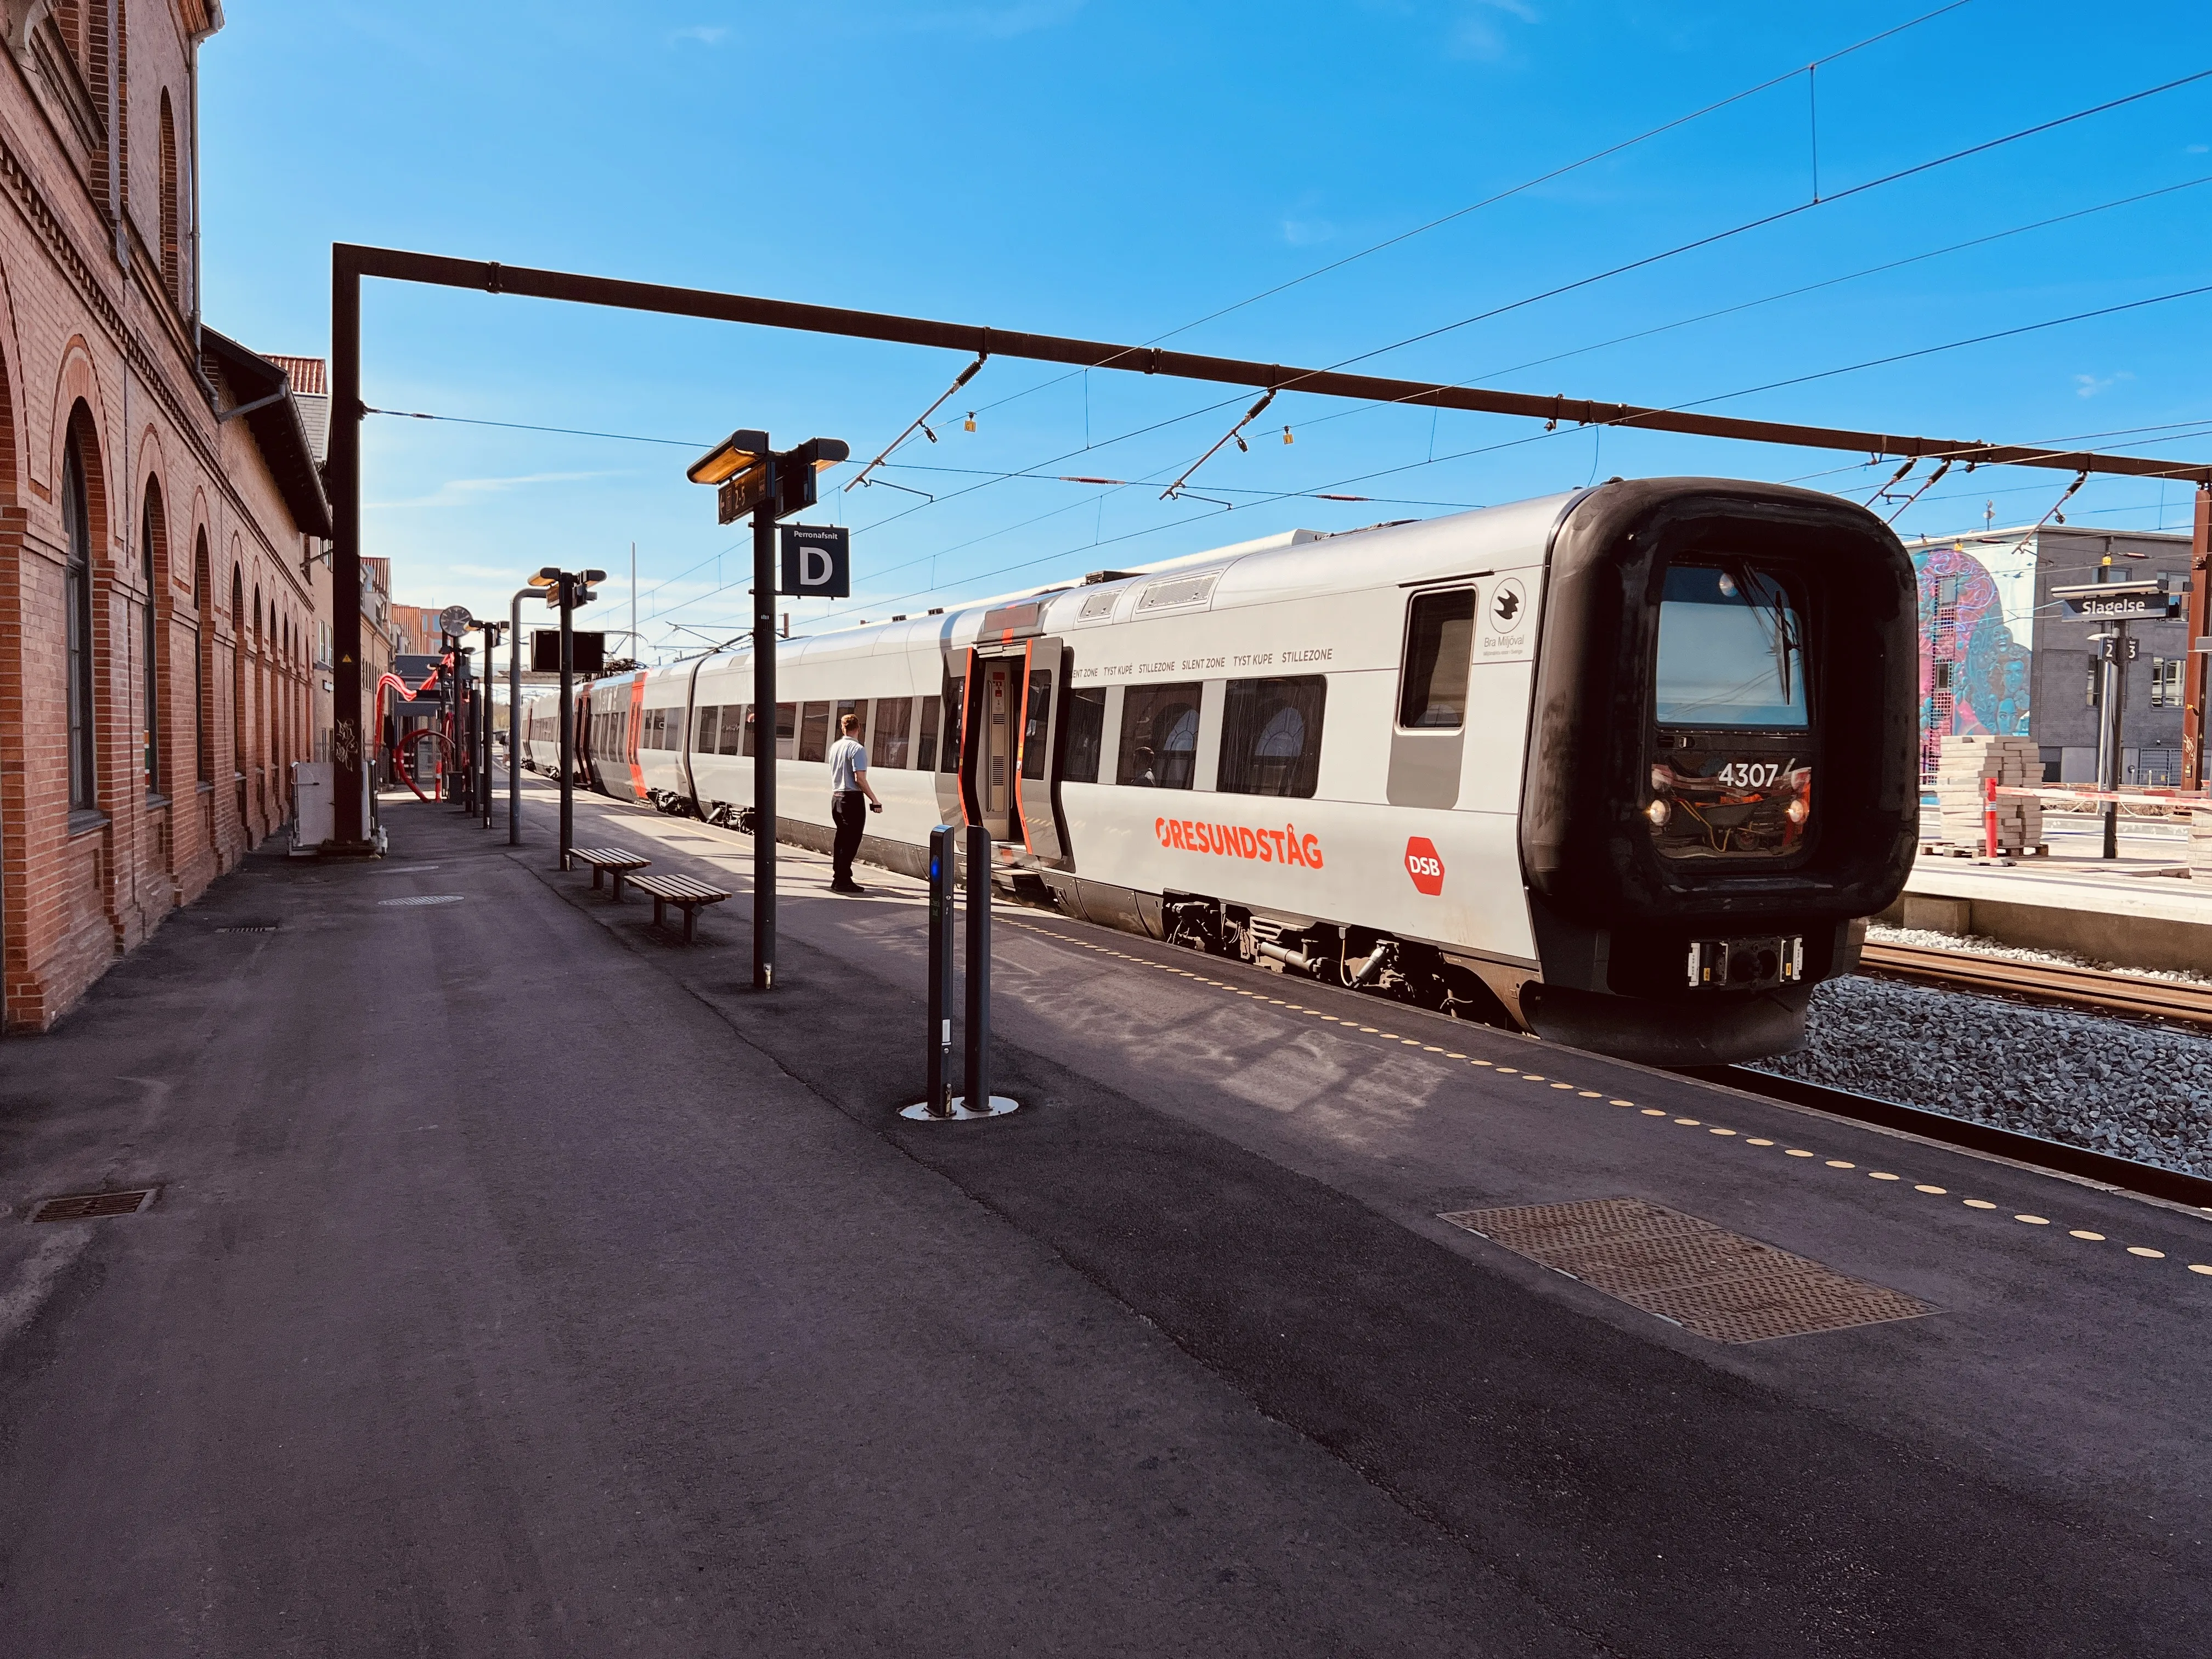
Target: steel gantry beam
{"points": [[350, 262]]}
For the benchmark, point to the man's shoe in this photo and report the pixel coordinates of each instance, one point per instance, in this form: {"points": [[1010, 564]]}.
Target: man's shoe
{"points": [[846, 887]]}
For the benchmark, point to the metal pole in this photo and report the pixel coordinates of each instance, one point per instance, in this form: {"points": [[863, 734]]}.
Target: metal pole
{"points": [[567, 589], [352, 797], [514, 713], [2193, 666], [944, 857], [978, 1033], [766, 725]]}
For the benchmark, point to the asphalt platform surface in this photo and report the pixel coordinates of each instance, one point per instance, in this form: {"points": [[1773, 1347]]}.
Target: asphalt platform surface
{"points": [[522, 1283]]}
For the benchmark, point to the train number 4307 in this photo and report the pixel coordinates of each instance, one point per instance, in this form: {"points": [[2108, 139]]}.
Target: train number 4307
{"points": [[1750, 775]]}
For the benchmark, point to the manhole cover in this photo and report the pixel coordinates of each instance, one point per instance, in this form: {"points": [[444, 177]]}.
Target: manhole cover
{"points": [[1718, 1284], [93, 1206], [423, 899]]}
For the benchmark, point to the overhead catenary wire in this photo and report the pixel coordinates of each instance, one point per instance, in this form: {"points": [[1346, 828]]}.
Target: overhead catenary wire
{"points": [[1234, 432], [920, 423]]}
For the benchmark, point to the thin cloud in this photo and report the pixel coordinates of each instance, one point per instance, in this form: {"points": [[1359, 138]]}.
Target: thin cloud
{"points": [[1305, 232], [467, 492], [2088, 386], [1480, 38], [706, 34]]}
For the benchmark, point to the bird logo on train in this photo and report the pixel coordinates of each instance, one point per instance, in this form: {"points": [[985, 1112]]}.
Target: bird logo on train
{"points": [[1505, 604], [1426, 866]]}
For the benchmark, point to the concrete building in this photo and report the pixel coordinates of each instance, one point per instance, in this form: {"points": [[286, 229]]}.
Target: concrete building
{"points": [[161, 510], [2000, 654]]}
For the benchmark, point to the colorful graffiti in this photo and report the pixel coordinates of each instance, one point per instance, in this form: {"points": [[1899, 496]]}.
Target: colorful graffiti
{"points": [[1975, 674]]}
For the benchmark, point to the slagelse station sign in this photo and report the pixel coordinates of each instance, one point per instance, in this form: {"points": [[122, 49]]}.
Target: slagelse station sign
{"points": [[2144, 601], [1426, 866]]}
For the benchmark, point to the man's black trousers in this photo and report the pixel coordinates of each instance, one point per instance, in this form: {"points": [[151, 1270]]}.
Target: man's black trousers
{"points": [[848, 811]]}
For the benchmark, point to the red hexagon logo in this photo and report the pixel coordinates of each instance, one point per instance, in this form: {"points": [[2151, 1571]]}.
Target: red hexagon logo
{"points": [[1426, 866]]}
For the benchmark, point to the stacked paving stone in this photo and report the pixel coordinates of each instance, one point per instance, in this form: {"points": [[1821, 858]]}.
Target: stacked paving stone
{"points": [[2200, 844], [1962, 773]]}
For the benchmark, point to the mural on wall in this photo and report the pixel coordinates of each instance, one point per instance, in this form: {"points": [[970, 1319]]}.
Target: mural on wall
{"points": [[1974, 670]]}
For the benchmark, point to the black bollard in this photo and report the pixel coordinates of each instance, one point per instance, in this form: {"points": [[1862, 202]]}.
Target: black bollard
{"points": [[978, 1031], [943, 850]]}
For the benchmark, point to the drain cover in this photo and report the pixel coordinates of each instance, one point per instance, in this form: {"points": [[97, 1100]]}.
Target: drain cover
{"points": [[93, 1206], [424, 898], [1703, 1278], [248, 927]]}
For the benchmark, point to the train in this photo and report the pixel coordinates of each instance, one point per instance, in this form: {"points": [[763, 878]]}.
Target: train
{"points": [[1626, 767]]}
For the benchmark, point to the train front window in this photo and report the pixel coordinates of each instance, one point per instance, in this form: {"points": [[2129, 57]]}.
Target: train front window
{"points": [[1731, 649]]}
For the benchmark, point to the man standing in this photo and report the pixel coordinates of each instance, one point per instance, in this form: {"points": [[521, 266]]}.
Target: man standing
{"points": [[848, 788]]}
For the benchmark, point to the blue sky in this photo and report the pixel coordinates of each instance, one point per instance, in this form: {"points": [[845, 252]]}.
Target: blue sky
{"points": [[1118, 171]]}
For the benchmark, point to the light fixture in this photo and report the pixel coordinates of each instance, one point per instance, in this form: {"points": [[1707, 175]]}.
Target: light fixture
{"points": [[1286, 436], [1797, 811], [1658, 812], [546, 577], [741, 450], [969, 425]]}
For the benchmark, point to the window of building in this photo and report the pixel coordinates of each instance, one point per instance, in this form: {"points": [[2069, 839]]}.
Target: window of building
{"points": [[2092, 692], [1271, 736], [76, 531], [203, 748], [172, 263], [925, 747], [2165, 681], [1439, 644], [1036, 721], [1084, 713], [1159, 736], [814, 732], [149, 529], [894, 717]]}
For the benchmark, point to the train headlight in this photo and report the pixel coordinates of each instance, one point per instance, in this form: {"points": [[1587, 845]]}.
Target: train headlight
{"points": [[1658, 812], [1797, 811]]}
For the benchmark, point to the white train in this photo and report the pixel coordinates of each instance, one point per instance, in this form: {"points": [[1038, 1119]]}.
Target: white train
{"points": [[1623, 767]]}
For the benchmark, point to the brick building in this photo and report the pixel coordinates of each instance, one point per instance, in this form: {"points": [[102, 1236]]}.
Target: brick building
{"points": [[162, 515]]}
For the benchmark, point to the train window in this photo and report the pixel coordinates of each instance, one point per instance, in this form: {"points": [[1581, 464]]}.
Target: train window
{"points": [[710, 727], [925, 746], [752, 731], [814, 732], [1731, 648], [1159, 736], [894, 717], [1439, 641], [850, 707], [956, 701], [734, 726], [786, 725], [1036, 719], [1085, 715], [1271, 736]]}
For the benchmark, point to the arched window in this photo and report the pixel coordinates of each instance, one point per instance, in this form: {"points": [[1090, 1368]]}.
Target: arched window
{"points": [[203, 749], [149, 534], [238, 678], [172, 257], [76, 531]]}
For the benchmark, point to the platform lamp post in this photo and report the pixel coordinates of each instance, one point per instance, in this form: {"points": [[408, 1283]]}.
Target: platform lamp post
{"points": [[568, 589], [750, 476], [491, 631]]}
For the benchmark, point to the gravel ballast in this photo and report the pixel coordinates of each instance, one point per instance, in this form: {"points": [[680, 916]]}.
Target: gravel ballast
{"points": [[2130, 1089]]}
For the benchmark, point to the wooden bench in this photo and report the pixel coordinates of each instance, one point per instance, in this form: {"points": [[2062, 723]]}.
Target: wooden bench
{"points": [[682, 891], [609, 861]]}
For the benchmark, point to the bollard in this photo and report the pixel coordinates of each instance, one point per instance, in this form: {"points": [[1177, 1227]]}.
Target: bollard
{"points": [[942, 860], [1989, 818], [944, 847]]}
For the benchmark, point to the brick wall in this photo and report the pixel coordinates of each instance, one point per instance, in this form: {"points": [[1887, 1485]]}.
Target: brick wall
{"points": [[96, 340]]}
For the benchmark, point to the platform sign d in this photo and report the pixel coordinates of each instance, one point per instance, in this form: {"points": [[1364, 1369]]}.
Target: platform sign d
{"points": [[816, 562], [1426, 866]]}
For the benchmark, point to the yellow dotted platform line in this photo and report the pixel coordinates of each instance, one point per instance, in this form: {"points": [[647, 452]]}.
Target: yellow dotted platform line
{"points": [[2142, 1251]]}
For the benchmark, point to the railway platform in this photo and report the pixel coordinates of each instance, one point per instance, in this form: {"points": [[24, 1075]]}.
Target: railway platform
{"points": [[519, 1281]]}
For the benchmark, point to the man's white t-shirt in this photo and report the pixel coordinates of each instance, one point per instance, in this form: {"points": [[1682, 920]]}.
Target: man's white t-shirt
{"points": [[847, 760]]}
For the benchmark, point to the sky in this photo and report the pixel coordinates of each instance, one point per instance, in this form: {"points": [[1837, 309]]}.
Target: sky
{"points": [[1121, 172]]}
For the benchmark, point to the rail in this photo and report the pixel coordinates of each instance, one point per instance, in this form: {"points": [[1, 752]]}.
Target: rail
{"points": [[2039, 981]]}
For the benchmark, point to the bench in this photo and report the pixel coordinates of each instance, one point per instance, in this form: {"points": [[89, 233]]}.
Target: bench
{"points": [[681, 891], [609, 861]]}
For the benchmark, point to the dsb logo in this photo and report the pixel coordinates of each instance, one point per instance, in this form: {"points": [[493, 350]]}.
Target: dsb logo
{"points": [[1425, 865]]}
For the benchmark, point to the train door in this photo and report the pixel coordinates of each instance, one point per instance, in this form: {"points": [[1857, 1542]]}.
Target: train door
{"points": [[1013, 701]]}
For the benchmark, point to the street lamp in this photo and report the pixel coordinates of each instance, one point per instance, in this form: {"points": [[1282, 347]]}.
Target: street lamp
{"points": [[751, 477]]}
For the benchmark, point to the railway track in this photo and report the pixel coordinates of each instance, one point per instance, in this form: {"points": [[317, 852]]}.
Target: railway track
{"points": [[2123, 1175], [2074, 987]]}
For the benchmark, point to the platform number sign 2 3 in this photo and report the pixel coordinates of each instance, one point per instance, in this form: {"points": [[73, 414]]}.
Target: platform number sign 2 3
{"points": [[1425, 865]]}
